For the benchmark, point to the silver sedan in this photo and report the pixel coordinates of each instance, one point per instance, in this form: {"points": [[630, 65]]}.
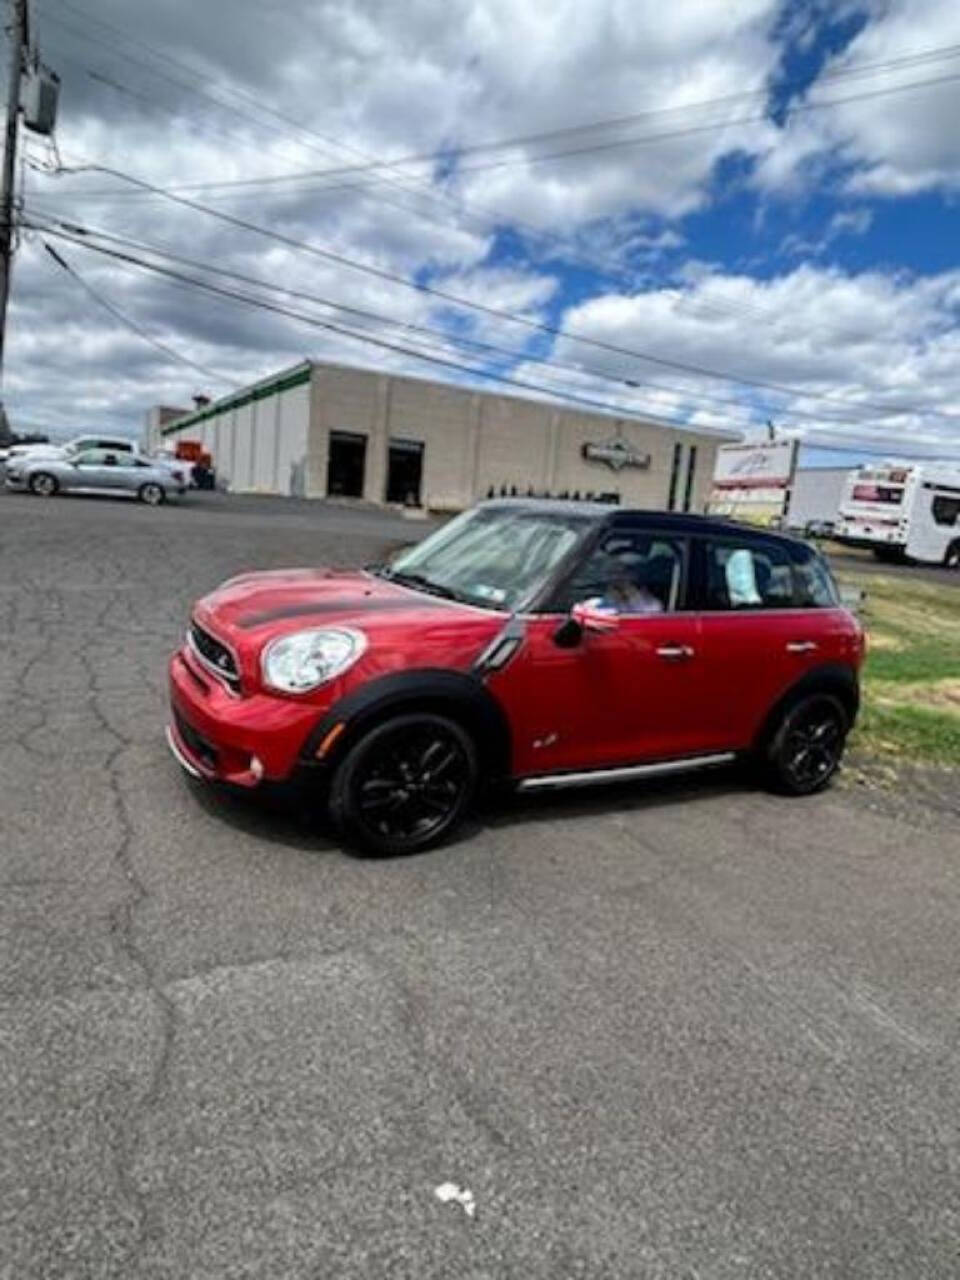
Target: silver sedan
{"points": [[97, 471]]}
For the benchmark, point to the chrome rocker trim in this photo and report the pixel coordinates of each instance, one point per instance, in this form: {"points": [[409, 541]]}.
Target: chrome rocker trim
{"points": [[595, 777]]}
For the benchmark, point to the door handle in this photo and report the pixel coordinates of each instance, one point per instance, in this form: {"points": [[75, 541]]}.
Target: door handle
{"points": [[802, 646], [675, 652]]}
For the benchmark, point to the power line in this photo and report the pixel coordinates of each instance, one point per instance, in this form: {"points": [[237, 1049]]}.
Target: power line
{"points": [[398, 348], [132, 324], [594, 148], [329, 255], [80, 235], [436, 338], [920, 57]]}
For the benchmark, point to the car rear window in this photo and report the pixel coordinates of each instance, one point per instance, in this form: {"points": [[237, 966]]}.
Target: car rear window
{"points": [[748, 576], [816, 588], [761, 575]]}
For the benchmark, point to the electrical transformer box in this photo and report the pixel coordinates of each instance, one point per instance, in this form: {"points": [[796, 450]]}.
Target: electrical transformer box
{"points": [[41, 93]]}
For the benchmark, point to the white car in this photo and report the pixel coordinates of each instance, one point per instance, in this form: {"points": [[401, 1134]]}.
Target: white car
{"points": [[116, 444]]}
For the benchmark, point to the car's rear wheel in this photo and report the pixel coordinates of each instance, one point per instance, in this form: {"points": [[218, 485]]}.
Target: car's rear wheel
{"points": [[43, 484], [405, 785], [152, 494], [952, 559], [807, 747]]}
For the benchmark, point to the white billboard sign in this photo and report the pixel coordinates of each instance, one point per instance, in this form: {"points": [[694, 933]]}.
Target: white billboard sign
{"points": [[755, 466]]}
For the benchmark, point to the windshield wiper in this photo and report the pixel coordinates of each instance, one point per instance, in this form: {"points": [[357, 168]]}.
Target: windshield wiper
{"points": [[423, 583]]}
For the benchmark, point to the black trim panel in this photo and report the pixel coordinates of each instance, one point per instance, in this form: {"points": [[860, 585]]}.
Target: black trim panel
{"points": [[455, 693], [832, 677]]}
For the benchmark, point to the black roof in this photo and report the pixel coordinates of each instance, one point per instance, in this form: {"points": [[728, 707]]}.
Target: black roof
{"points": [[680, 522]]}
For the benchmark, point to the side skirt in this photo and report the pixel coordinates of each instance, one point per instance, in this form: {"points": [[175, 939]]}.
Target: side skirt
{"points": [[596, 777]]}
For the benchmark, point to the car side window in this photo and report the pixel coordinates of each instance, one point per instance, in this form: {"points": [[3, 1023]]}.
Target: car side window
{"points": [[89, 458], [632, 572], [814, 584], [748, 576]]}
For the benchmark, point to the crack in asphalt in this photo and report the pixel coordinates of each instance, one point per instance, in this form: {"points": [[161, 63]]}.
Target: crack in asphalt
{"points": [[124, 1142]]}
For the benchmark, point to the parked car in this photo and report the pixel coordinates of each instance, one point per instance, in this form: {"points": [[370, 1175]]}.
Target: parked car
{"points": [[95, 470], [80, 444], [542, 643]]}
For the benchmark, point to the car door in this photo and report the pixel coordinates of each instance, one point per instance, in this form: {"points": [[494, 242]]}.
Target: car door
{"points": [[87, 470], [623, 696], [767, 619]]}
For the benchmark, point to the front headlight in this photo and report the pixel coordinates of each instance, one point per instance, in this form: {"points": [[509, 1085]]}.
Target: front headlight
{"points": [[305, 660]]}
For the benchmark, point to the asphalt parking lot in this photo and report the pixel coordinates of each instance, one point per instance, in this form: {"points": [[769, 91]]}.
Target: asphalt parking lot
{"points": [[674, 1031]]}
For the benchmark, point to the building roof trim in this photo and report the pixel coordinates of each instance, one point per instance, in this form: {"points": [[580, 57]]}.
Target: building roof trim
{"points": [[286, 380], [300, 374]]}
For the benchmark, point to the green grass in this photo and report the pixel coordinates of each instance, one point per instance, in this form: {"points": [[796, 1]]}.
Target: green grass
{"points": [[911, 679], [915, 733]]}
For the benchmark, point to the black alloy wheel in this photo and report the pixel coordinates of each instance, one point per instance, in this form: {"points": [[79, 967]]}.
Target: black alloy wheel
{"points": [[808, 747], [405, 785], [952, 559]]}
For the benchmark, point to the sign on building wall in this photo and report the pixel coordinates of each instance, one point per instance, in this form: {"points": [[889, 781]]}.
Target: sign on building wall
{"points": [[616, 453]]}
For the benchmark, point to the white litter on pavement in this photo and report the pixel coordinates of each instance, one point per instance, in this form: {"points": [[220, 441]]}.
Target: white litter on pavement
{"points": [[449, 1191]]}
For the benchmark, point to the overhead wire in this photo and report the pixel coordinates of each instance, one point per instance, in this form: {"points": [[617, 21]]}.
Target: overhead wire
{"points": [[555, 393], [920, 57], [529, 322], [131, 324], [79, 234]]}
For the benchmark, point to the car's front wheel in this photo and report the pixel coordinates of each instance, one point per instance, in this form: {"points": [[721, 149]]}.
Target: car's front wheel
{"points": [[152, 494], [43, 484], [952, 558], [405, 785], [807, 747]]}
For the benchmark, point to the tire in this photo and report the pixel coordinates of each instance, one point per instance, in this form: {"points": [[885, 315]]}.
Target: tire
{"points": [[152, 494], [405, 785], [952, 558], [44, 485], [807, 745]]}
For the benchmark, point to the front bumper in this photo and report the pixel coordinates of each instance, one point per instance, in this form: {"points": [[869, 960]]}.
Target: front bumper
{"points": [[222, 737]]}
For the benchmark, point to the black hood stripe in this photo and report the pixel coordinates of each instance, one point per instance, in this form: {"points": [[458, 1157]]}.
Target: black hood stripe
{"points": [[359, 604]]}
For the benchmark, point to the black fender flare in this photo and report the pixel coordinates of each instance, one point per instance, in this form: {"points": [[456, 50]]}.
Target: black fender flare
{"points": [[834, 678], [459, 695]]}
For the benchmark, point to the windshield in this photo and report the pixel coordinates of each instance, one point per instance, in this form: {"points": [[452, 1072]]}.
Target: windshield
{"points": [[492, 556]]}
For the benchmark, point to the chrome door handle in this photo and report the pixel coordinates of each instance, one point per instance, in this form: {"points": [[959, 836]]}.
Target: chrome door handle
{"points": [[802, 646], [675, 652]]}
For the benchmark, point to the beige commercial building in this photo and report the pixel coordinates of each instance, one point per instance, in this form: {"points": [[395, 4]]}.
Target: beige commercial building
{"points": [[324, 430]]}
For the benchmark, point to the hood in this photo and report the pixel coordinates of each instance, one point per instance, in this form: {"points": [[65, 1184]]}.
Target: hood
{"points": [[404, 628], [304, 597]]}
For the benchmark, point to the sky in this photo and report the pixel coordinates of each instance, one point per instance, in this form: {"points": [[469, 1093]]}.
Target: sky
{"points": [[722, 213]]}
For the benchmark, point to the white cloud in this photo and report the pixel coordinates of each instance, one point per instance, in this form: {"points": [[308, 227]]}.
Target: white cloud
{"points": [[886, 351], [886, 144]]}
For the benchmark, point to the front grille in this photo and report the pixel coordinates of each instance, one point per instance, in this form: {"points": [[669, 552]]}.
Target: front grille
{"points": [[216, 656], [198, 747]]}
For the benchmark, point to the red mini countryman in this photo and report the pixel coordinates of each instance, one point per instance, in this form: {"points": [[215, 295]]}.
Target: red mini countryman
{"points": [[535, 642]]}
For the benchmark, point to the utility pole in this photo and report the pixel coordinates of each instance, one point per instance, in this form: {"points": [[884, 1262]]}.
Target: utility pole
{"points": [[19, 40]]}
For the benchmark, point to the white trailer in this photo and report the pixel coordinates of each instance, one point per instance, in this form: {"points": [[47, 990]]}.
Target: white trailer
{"points": [[815, 498], [904, 511]]}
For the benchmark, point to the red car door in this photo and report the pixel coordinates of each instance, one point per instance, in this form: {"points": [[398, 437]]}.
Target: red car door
{"points": [[763, 627], [624, 696]]}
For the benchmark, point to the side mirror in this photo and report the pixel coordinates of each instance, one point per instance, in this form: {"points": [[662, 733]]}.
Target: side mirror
{"points": [[589, 615]]}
